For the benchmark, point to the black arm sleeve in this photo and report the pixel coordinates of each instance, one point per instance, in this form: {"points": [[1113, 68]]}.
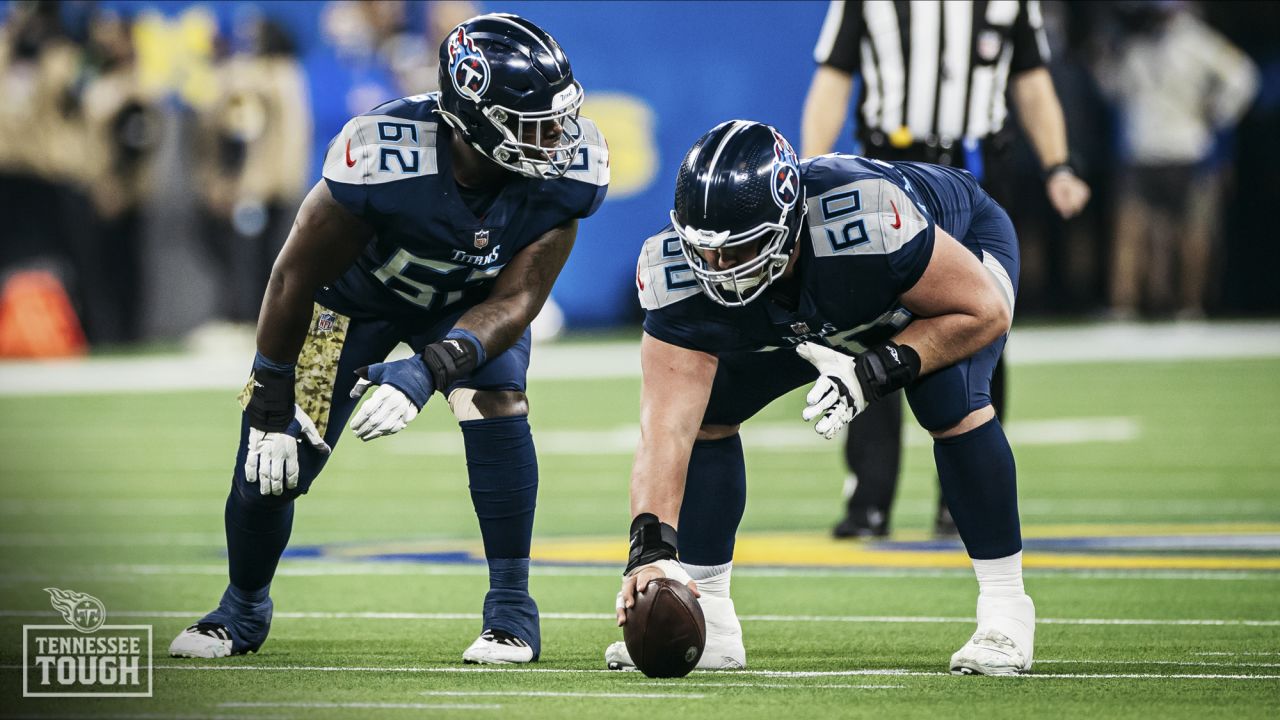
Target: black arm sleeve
{"points": [[840, 41], [1030, 47]]}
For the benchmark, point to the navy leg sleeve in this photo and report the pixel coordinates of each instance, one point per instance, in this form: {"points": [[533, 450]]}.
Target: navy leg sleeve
{"points": [[503, 470], [715, 496], [979, 482]]}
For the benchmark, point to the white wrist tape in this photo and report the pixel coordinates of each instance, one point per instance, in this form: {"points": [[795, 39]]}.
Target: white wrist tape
{"points": [[670, 568]]}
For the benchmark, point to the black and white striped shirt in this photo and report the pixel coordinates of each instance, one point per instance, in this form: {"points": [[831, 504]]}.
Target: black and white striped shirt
{"points": [[933, 72]]}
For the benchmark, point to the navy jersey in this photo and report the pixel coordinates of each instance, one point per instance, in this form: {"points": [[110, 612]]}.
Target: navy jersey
{"points": [[867, 238], [392, 167]]}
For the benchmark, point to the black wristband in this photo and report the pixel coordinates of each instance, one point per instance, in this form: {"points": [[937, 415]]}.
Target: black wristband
{"points": [[885, 368], [450, 360], [270, 407], [651, 541]]}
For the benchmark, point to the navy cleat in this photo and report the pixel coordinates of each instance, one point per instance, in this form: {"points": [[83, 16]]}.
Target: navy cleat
{"points": [[238, 626], [511, 613]]}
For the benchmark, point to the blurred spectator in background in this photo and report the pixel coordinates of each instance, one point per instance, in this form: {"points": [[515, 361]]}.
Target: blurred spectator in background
{"points": [[253, 160], [121, 132], [1178, 84], [38, 72], [70, 168]]}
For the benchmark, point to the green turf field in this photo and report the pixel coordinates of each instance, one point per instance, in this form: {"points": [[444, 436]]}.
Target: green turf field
{"points": [[1152, 490]]}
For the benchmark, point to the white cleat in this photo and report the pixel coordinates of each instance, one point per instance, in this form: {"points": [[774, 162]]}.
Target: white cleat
{"points": [[724, 649], [1004, 642], [497, 647], [202, 640]]}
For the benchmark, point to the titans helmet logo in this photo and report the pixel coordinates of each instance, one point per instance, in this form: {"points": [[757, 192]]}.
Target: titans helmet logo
{"points": [[786, 173], [468, 67]]}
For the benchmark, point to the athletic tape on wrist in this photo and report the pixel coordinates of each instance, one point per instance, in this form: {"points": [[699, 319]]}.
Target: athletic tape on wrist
{"points": [[454, 358], [651, 541]]}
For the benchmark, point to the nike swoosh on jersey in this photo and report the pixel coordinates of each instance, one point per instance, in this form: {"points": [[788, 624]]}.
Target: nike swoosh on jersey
{"points": [[897, 219], [350, 161]]}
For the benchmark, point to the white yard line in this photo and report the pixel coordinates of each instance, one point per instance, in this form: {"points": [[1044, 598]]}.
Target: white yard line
{"points": [[873, 619], [361, 705], [1109, 343], [767, 686], [123, 539], [1158, 662], [309, 568], [145, 716], [783, 436], [871, 672], [1233, 654], [1034, 675], [1144, 676], [799, 674], [555, 694], [1131, 509]]}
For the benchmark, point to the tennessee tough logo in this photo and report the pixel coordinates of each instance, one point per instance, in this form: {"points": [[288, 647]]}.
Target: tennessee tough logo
{"points": [[468, 67]]}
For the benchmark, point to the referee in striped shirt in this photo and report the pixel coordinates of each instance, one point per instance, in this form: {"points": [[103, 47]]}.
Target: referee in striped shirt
{"points": [[935, 77]]}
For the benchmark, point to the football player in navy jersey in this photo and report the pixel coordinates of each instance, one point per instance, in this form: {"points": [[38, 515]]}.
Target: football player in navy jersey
{"points": [[855, 276], [442, 221]]}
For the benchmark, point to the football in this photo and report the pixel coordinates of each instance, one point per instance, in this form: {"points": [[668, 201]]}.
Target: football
{"points": [[665, 631]]}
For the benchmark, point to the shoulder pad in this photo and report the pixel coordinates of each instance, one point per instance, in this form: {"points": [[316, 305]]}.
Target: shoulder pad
{"points": [[871, 216], [592, 164], [413, 107], [663, 277], [382, 148]]}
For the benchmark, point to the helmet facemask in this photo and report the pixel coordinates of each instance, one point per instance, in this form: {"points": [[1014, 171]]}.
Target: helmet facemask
{"points": [[525, 149], [742, 283]]}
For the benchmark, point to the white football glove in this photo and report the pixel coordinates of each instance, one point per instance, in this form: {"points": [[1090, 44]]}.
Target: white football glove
{"points": [[837, 396], [386, 412], [272, 459]]}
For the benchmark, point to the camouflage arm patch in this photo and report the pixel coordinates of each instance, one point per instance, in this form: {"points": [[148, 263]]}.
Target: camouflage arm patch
{"points": [[318, 364], [317, 369]]}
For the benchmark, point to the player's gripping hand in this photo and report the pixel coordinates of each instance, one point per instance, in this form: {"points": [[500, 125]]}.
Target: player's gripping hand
{"points": [[272, 459], [404, 387], [652, 556], [847, 384]]}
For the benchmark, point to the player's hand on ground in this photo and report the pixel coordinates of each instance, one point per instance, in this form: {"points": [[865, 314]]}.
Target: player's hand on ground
{"points": [[645, 574], [1067, 193], [837, 396], [404, 387], [272, 458]]}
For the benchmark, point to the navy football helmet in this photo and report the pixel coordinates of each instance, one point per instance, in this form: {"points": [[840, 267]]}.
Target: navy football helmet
{"points": [[506, 85], [739, 187]]}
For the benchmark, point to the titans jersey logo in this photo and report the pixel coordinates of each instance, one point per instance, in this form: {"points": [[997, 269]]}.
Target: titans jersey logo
{"points": [[468, 67], [786, 173]]}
